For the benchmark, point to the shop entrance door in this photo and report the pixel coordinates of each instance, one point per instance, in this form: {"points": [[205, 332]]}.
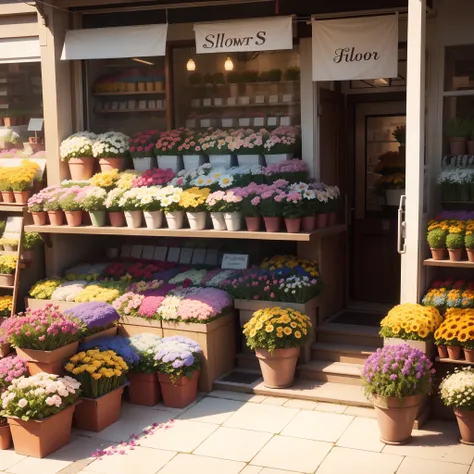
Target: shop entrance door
{"points": [[374, 261]]}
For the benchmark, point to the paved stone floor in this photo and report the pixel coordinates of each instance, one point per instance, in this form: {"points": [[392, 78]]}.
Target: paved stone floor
{"points": [[231, 433]]}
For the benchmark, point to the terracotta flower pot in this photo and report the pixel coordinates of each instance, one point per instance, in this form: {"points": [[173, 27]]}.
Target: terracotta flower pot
{"points": [[117, 219], [96, 414], [438, 254], [5, 349], [293, 226], [109, 164], [308, 223], [469, 355], [455, 255], [465, 419], [39, 218], [81, 168], [39, 438], [21, 197], [51, 362], [8, 197], [396, 418], [272, 224], [442, 352], [144, 389], [27, 255], [5, 437], [73, 218], [278, 369], [470, 254], [253, 223], [454, 352], [323, 220], [181, 392], [457, 146], [7, 279], [332, 218], [56, 217]]}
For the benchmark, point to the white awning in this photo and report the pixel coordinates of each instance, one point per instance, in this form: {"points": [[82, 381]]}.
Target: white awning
{"points": [[116, 42], [19, 50]]}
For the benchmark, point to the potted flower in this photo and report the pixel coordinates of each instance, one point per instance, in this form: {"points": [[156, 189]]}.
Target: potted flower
{"points": [[92, 199], [5, 186], [466, 338], [30, 241], [36, 208], [292, 74], [5, 312], [280, 145], [149, 200], [71, 204], [456, 391], [437, 241], [396, 378], [469, 244], [10, 245], [154, 177], [455, 242], [271, 208], [142, 147], [111, 148], [8, 265], [39, 411], [225, 207], [128, 304], [400, 136], [22, 179], [277, 335], [99, 319], [250, 208], [130, 205], [144, 388], [114, 210], [52, 206], [248, 146], [167, 150], [77, 151], [44, 337], [217, 144], [292, 171], [457, 130], [191, 150], [293, 209], [447, 336], [102, 375], [106, 179], [193, 201], [179, 363], [171, 204]]}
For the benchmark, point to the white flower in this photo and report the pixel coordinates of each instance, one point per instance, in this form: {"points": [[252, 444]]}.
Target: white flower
{"points": [[22, 403]]}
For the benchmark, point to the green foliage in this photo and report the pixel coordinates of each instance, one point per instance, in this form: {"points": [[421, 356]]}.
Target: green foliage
{"points": [[275, 75], [469, 241], [457, 127], [31, 239], [292, 74], [2, 227], [218, 78], [400, 135], [437, 239], [234, 77], [455, 241]]}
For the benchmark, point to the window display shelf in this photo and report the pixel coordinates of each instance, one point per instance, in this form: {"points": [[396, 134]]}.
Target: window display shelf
{"points": [[429, 262], [100, 111], [233, 84], [111, 94], [206, 234], [13, 207], [226, 106], [451, 361]]}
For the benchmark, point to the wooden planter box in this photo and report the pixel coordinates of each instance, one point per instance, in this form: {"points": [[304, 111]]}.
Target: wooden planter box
{"points": [[130, 325], [217, 340], [41, 304], [427, 347], [110, 332], [248, 307]]}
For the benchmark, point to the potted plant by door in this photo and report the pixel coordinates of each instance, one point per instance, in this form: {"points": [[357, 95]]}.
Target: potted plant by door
{"points": [[456, 391], [455, 242], [92, 199], [144, 388], [396, 378], [437, 241], [400, 136], [7, 269], [178, 363], [102, 375], [114, 210], [277, 335], [111, 148], [39, 411], [76, 150], [44, 337], [193, 201], [457, 131], [71, 205]]}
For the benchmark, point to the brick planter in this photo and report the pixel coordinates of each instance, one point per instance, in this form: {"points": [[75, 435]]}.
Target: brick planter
{"points": [[217, 340]]}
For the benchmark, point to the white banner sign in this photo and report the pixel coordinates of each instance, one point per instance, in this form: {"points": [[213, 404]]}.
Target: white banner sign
{"points": [[355, 48], [257, 34]]}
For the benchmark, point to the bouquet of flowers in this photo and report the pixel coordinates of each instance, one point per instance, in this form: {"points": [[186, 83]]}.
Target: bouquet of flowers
{"points": [[43, 289], [112, 201], [11, 368], [411, 322], [68, 290], [42, 329], [178, 357], [146, 346], [96, 316], [119, 345], [277, 328], [397, 371], [171, 199], [153, 177], [78, 145], [456, 389], [98, 372], [111, 145], [39, 396], [105, 179], [169, 142], [194, 199], [128, 304], [8, 264], [93, 198], [6, 302]]}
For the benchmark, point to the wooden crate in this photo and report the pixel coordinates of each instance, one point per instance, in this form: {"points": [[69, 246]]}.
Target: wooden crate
{"points": [[427, 348], [130, 326], [41, 304]]}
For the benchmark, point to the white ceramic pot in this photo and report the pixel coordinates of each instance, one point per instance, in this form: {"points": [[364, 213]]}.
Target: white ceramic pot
{"points": [[278, 158], [392, 196], [220, 161], [197, 220], [174, 162], [133, 219], [144, 164], [233, 220], [218, 221], [175, 219], [250, 160], [153, 219], [192, 162]]}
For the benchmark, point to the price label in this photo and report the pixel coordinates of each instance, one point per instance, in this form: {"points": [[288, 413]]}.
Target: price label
{"points": [[235, 261]]}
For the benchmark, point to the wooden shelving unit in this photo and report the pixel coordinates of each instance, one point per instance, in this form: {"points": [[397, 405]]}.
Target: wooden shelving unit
{"points": [[429, 262], [265, 104], [455, 362], [112, 94], [13, 207], [127, 111]]}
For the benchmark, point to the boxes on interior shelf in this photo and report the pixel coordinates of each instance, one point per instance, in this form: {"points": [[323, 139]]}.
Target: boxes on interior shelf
{"points": [[244, 122], [208, 122], [231, 100], [195, 102], [228, 122], [287, 98], [218, 101], [273, 99], [161, 104], [244, 100], [285, 120], [207, 102], [272, 121], [259, 121], [191, 122], [259, 99]]}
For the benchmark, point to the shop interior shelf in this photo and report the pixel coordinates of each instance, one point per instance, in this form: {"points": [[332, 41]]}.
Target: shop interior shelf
{"points": [[13, 207], [451, 361], [111, 94], [448, 263], [129, 111], [7, 287], [294, 83], [206, 234], [225, 106]]}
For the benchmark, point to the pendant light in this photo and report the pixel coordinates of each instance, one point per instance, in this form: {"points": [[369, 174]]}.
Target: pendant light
{"points": [[228, 65], [191, 65]]}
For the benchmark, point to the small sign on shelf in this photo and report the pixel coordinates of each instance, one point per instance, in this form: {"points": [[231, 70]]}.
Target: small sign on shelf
{"points": [[235, 261]]}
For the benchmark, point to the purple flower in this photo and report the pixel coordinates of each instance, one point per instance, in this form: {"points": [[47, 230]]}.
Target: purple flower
{"points": [[94, 314], [120, 345]]}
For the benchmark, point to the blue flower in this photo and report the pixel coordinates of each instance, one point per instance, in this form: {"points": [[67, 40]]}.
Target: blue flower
{"points": [[120, 345]]}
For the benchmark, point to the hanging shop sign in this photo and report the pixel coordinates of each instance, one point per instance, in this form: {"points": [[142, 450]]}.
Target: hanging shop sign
{"points": [[116, 42], [355, 48], [257, 34]]}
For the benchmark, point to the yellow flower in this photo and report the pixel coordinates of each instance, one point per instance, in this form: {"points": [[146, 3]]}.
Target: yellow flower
{"points": [[253, 333], [69, 367], [269, 328], [297, 335], [287, 331]]}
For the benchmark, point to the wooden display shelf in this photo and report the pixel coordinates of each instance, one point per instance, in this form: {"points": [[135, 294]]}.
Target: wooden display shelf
{"points": [[265, 104], [263, 83], [451, 361], [127, 111], [429, 262], [111, 94], [206, 234], [7, 287], [12, 207]]}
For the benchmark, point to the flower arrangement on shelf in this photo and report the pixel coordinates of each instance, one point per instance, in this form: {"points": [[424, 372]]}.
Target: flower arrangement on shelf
{"points": [[11, 368], [78, 145], [142, 144], [112, 202], [169, 142], [224, 201], [92, 198], [6, 305], [194, 199], [95, 315], [69, 199], [292, 171], [128, 304], [68, 290], [105, 291], [437, 294], [106, 179], [31, 240], [282, 141], [456, 179], [153, 177], [44, 289], [85, 271], [111, 145], [8, 264], [126, 179], [191, 277]]}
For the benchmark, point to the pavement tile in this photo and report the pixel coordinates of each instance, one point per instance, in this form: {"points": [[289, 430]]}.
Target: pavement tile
{"points": [[36, 465], [251, 470], [275, 401], [360, 411], [301, 404], [362, 433], [212, 410], [242, 397], [9, 458], [426, 466], [186, 463], [330, 407]]}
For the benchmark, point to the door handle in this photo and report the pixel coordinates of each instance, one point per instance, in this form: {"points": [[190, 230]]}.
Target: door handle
{"points": [[401, 230]]}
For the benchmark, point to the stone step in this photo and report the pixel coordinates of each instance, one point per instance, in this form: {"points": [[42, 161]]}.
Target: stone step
{"points": [[349, 334], [330, 371], [347, 353], [247, 360]]}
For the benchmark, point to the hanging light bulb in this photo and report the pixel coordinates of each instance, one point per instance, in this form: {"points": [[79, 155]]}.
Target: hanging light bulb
{"points": [[228, 65], [191, 65]]}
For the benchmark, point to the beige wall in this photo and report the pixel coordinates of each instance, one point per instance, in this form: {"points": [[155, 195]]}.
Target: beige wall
{"points": [[18, 20]]}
